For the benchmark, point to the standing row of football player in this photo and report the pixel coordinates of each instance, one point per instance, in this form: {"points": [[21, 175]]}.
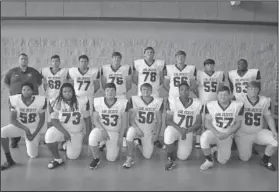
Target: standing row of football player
{"points": [[183, 118]]}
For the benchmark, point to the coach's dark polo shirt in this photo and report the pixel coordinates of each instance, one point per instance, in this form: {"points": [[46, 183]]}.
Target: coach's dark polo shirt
{"points": [[15, 77]]}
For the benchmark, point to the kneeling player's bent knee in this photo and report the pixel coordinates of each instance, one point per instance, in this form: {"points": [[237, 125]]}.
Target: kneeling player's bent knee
{"points": [[131, 134], [223, 154], [112, 146], [185, 147], [74, 147], [206, 139], [32, 147], [53, 135], [147, 146], [95, 137], [170, 135]]}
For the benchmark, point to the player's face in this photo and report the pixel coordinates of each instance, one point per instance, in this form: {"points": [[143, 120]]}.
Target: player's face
{"points": [[223, 96], [23, 61], [183, 91], [116, 60], [26, 91], [146, 91], [67, 93], [149, 54], [180, 59], [83, 63], [110, 93], [242, 65], [55, 63], [252, 91], [209, 67]]}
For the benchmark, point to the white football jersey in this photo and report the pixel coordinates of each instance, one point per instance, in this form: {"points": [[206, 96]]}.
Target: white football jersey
{"points": [[149, 74], [70, 119], [28, 115], [146, 112], [253, 119], [54, 81], [240, 83], [208, 85], [224, 117], [110, 116], [177, 76], [84, 83], [117, 77], [184, 116]]}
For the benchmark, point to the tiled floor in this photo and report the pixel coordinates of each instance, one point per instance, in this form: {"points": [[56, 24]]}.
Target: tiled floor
{"points": [[32, 174]]}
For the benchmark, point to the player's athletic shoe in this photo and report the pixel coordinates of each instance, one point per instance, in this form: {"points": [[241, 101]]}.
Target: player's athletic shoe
{"points": [[170, 165], [129, 162], [94, 164], [268, 165], [206, 165]]}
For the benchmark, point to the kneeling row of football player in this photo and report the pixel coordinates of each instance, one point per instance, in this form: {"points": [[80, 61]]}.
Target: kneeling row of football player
{"points": [[141, 120]]}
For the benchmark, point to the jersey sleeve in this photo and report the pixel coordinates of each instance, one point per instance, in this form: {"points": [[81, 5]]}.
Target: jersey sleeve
{"points": [[43, 109], [11, 105], [267, 108]]}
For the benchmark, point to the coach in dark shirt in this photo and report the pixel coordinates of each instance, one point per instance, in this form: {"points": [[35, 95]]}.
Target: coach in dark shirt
{"points": [[18, 75]]}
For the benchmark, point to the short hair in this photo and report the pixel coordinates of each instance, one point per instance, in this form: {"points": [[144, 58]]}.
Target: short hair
{"points": [[28, 84], [148, 48], [208, 61], [185, 84], [180, 52], [244, 60], [254, 84], [55, 57], [148, 85], [110, 85], [223, 88], [116, 54], [22, 54], [83, 57]]}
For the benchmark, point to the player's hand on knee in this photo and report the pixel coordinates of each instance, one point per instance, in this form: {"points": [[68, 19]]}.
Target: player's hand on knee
{"points": [[28, 135], [275, 135], [67, 136]]}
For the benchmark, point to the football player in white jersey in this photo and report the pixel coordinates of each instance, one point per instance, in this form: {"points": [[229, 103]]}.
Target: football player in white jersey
{"points": [[208, 82], [183, 118], [27, 118], [118, 74], [256, 109], [179, 73], [146, 121], [149, 70], [85, 79], [54, 77], [238, 79], [67, 113], [222, 120], [110, 117]]}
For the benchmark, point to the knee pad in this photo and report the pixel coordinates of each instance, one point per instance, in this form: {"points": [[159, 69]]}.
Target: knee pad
{"points": [[131, 134]]}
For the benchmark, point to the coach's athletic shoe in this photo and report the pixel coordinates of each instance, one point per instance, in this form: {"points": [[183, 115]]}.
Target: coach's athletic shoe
{"points": [[55, 163], [268, 165], [129, 162], [7, 165], [206, 165], [94, 164], [170, 165]]}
